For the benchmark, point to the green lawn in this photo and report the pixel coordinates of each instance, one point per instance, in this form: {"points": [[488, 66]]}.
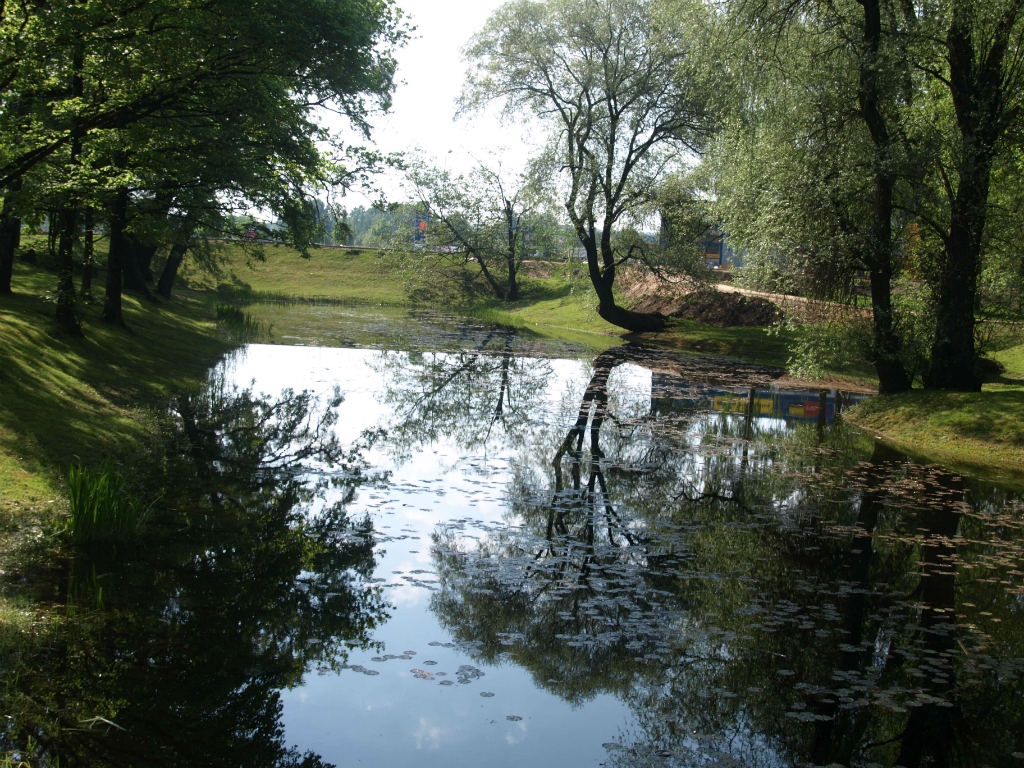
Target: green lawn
{"points": [[65, 400], [973, 430], [365, 277], [333, 274]]}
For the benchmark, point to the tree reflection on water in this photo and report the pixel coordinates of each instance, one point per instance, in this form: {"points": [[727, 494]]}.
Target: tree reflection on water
{"points": [[468, 396], [757, 591], [172, 650], [760, 594]]}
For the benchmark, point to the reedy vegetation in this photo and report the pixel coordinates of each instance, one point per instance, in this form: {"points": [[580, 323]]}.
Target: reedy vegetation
{"points": [[102, 506]]}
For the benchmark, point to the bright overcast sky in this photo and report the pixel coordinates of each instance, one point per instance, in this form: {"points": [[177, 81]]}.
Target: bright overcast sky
{"points": [[430, 76]]}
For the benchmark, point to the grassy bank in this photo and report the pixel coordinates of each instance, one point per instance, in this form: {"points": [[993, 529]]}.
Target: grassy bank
{"points": [[364, 277], [67, 400], [556, 299], [974, 431]]}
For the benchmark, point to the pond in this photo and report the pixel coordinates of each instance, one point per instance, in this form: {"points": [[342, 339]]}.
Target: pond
{"points": [[404, 539]]}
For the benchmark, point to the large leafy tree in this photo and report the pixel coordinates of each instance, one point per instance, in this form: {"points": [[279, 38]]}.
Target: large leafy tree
{"points": [[77, 73], [818, 156], [623, 94], [870, 116], [973, 53], [251, 147]]}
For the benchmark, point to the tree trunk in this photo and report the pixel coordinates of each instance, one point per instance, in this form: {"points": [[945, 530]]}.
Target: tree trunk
{"points": [[118, 213], [981, 90], [513, 283], [499, 291], [133, 259], [170, 271], [66, 318], [10, 237], [610, 312], [892, 376], [952, 365], [144, 256], [68, 220], [513, 238], [52, 233], [88, 258]]}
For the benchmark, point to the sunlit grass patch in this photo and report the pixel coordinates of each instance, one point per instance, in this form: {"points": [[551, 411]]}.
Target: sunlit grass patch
{"points": [[1013, 360], [965, 428], [491, 316], [67, 400]]}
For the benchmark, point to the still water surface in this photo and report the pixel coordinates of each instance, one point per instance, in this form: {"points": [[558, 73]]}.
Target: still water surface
{"points": [[471, 546]]}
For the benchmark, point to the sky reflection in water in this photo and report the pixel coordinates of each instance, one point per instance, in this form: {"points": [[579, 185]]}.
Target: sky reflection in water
{"points": [[693, 574], [519, 551]]}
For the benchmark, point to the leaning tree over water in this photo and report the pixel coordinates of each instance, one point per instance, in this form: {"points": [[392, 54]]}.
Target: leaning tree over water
{"points": [[625, 97]]}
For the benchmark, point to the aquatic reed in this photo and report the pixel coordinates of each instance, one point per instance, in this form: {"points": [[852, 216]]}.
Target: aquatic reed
{"points": [[102, 508], [240, 324]]}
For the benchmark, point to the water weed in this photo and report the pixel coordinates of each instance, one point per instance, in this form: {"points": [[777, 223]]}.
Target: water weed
{"points": [[240, 324], [497, 317], [102, 507]]}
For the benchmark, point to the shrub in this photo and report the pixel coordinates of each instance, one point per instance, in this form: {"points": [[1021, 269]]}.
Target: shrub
{"points": [[840, 338], [836, 342]]}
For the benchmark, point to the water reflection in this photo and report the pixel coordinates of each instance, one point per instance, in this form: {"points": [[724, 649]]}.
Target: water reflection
{"points": [[173, 651], [759, 595], [468, 396], [670, 391], [643, 551]]}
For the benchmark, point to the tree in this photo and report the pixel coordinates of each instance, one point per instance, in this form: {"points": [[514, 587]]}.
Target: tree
{"points": [[190, 176], [977, 63], [624, 97], [819, 157], [481, 218], [161, 56], [80, 75]]}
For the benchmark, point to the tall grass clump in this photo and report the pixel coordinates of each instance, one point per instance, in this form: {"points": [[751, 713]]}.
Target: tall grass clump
{"points": [[241, 324], [102, 509], [497, 317], [13, 760]]}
